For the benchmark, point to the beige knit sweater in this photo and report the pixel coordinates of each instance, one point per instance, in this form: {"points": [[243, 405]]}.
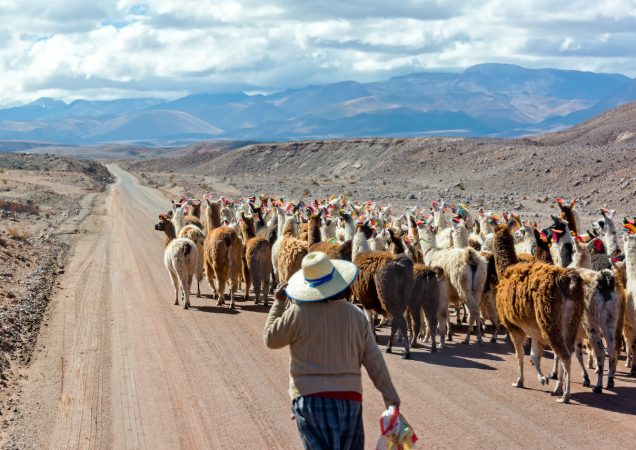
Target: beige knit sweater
{"points": [[328, 342]]}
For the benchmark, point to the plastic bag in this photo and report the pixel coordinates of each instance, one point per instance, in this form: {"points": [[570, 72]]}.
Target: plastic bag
{"points": [[395, 431]]}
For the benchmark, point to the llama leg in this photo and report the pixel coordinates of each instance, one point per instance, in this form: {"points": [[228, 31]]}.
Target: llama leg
{"points": [[579, 356], [416, 324], [554, 375], [430, 315], [611, 352], [209, 275], [495, 327], [186, 290], [222, 281], [518, 337], [566, 363], [175, 284], [389, 348], [599, 353], [558, 389], [403, 329], [198, 287], [256, 283], [248, 282], [450, 332], [471, 319], [442, 322], [590, 358], [535, 356]]}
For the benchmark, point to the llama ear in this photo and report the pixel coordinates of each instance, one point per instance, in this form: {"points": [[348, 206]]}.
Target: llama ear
{"points": [[573, 204]]}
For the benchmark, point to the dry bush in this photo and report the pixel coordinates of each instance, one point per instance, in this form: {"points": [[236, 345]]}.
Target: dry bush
{"points": [[306, 192], [315, 183], [204, 186], [17, 233]]}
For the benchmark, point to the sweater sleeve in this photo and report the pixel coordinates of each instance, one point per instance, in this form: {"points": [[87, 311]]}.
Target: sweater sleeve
{"points": [[280, 328], [373, 361]]}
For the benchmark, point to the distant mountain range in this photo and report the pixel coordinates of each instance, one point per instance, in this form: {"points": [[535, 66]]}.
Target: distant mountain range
{"points": [[485, 100]]}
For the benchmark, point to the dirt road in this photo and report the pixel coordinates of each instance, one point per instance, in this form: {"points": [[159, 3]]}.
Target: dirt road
{"points": [[119, 366]]}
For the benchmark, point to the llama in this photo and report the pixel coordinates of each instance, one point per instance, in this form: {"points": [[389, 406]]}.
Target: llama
{"points": [[223, 250], [563, 253], [488, 304], [334, 250], [607, 227], [291, 252], [538, 300], [466, 272], [570, 215], [384, 285], [180, 259], [430, 300], [280, 216], [629, 328], [328, 229], [257, 261], [195, 235], [600, 315]]}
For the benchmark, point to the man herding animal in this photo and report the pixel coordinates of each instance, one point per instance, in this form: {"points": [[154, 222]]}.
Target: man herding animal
{"points": [[329, 340]]}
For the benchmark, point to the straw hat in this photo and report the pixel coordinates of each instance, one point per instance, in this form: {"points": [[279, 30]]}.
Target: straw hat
{"points": [[320, 278]]}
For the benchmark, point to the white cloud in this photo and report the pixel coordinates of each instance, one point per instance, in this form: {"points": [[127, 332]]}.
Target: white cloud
{"points": [[111, 48]]}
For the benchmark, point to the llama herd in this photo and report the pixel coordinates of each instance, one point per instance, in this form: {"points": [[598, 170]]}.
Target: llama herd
{"points": [[570, 291]]}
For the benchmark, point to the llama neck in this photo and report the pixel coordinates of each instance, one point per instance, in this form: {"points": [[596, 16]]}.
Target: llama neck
{"points": [[280, 213], [397, 246], [289, 227], [427, 241], [327, 231], [169, 232], [460, 237], [196, 210], [610, 238], [248, 229], [349, 228], [359, 245], [504, 246], [566, 249], [439, 221], [314, 235], [630, 259], [178, 220], [582, 258], [214, 217]]}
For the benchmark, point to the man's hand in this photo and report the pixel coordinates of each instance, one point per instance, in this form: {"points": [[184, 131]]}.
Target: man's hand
{"points": [[279, 293]]}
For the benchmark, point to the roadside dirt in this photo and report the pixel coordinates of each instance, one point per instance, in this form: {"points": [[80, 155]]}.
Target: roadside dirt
{"points": [[119, 366], [42, 200]]}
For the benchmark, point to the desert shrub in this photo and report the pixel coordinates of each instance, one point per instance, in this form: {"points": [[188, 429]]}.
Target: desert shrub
{"points": [[17, 233], [306, 192]]}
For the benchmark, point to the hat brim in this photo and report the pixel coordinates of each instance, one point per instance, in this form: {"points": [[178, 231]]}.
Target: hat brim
{"points": [[344, 275]]}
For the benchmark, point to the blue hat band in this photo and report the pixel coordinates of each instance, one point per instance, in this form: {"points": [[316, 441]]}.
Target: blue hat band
{"points": [[322, 280]]}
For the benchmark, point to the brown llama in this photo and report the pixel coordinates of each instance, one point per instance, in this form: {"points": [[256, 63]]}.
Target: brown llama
{"points": [[430, 297], [384, 285], [223, 250], [538, 300], [291, 252], [257, 261]]}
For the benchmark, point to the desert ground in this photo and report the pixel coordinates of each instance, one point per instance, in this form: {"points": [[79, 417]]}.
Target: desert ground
{"points": [[116, 365]]}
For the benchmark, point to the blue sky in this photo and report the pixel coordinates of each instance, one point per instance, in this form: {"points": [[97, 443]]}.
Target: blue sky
{"points": [[99, 49]]}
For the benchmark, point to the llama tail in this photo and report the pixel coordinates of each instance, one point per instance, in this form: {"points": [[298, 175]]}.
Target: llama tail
{"points": [[473, 263]]}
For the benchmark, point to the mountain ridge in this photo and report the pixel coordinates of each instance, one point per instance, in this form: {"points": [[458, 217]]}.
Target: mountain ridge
{"points": [[490, 99]]}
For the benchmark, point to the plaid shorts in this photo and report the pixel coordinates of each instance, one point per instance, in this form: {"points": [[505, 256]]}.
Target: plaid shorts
{"points": [[329, 424]]}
